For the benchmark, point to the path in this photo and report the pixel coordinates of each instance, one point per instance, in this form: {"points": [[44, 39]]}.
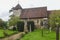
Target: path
{"points": [[14, 37]]}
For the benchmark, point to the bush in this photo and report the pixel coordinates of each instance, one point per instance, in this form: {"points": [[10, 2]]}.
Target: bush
{"points": [[6, 33]]}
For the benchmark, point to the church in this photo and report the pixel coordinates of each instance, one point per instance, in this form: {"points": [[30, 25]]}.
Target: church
{"points": [[31, 16]]}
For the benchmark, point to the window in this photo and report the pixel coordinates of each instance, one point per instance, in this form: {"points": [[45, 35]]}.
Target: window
{"points": [[37, 21]]}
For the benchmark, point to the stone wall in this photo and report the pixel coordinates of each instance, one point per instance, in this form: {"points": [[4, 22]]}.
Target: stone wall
{"points": [[17, 12], [36, 22]]}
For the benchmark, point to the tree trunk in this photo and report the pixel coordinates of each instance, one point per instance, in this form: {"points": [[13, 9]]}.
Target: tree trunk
{"points": [[50, 29]]}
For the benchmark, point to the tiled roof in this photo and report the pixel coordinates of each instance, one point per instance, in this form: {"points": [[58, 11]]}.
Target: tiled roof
{"points": [[40, 12], [17, 7]]}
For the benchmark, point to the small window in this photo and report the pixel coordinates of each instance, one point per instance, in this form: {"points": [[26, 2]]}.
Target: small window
{"points": [[37, 21], [41, 23]]}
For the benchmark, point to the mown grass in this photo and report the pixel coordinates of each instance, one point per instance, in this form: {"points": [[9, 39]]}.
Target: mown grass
{"points": [[8, 32], [37, 35], [1, 33]]}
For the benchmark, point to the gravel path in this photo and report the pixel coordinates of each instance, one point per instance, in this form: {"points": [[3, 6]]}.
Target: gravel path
{"points": [[14, 37]]}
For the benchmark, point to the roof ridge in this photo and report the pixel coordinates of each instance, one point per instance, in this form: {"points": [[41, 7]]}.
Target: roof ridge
{"points": [[36, 7]]}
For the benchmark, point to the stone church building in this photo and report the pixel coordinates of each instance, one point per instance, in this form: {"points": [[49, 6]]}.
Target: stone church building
{"points": [[36, 15]]}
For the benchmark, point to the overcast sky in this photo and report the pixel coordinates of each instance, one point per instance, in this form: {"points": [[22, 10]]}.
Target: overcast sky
{"points": [[6, 5]]}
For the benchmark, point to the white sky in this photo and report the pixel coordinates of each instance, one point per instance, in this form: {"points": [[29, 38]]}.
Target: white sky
{"points": [[6, 5]]}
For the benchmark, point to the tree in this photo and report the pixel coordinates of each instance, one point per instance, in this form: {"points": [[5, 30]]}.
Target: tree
{"points": [[5, 25], [1, 23], [13, 21], [54, 17]]}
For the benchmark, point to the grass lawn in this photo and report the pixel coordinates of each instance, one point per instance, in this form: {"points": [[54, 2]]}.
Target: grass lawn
{"points": [[1, 33], [9, 32], [36, 35]]}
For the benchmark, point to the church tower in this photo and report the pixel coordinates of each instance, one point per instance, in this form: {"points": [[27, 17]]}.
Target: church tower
{"points": [[16, 10]]}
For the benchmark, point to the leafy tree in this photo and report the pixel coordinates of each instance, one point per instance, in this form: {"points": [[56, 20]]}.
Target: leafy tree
{"points": [[54, 18], [1, 23], [5, 25], [13, 21]]}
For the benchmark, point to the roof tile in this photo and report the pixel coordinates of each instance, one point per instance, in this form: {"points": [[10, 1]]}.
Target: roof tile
{"points": [[34, 12]]}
